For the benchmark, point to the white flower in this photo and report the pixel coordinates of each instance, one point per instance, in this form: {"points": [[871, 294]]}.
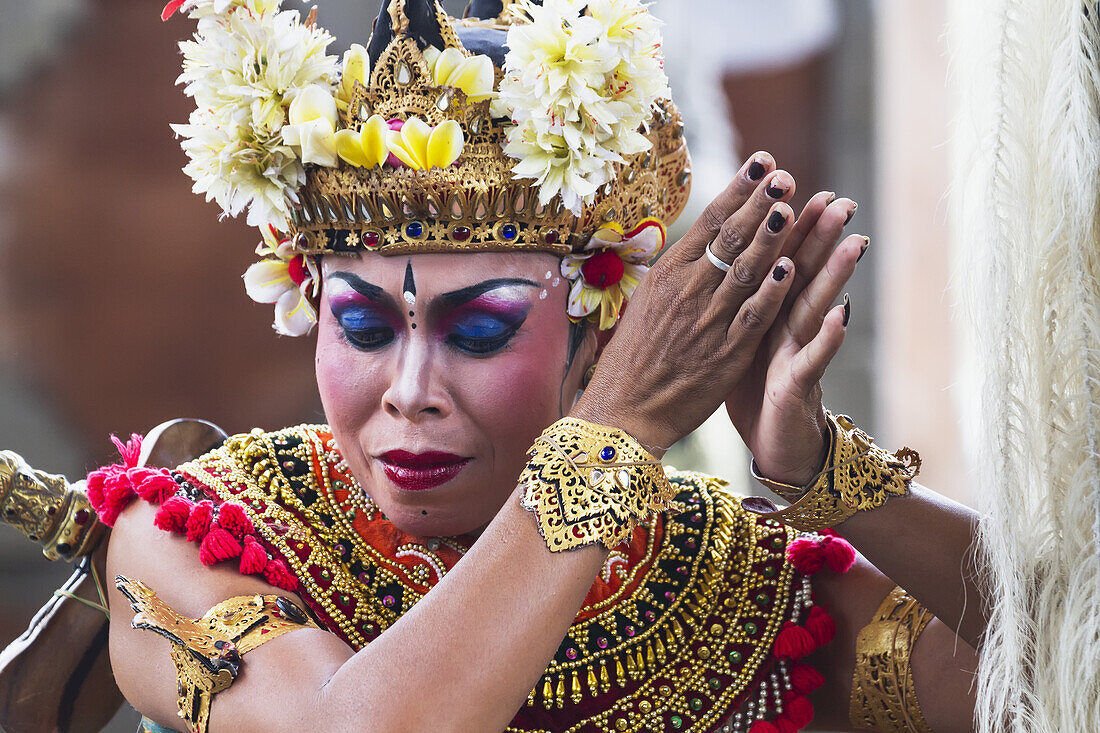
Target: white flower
{"points": [[606, 275], [246, 64], [312, 128], [579, 80], [290, 281]]}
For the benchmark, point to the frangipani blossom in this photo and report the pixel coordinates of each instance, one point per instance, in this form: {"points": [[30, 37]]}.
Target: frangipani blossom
{"points": [[420, 146], [367, 148], [474, 75], [291, 281], [356, 69], [609, 270], [312, 128]]}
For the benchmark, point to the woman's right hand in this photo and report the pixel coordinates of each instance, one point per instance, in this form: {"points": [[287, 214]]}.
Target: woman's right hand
{"points": [[691, 330]]}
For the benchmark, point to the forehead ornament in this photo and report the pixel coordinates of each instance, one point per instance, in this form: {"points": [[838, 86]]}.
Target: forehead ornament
{"points": [[416, 144]]}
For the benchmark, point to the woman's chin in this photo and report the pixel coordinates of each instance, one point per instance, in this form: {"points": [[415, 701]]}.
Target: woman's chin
{"points": [[435, 522]]}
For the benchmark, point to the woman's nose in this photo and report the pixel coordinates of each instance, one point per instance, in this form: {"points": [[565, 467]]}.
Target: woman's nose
{"points": [[416, 391]]}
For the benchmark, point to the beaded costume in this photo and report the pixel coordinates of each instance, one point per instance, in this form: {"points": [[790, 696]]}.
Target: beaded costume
{"points": [[697, 622]]}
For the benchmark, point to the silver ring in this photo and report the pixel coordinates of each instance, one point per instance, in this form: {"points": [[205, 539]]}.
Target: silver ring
{"points": [[723, 266]]}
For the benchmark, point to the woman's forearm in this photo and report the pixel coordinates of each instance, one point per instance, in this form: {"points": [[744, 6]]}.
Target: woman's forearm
{"points": [[924, 543]]}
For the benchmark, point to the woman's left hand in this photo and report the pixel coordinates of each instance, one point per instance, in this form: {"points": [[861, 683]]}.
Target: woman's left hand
{"points": [[777, 407]]}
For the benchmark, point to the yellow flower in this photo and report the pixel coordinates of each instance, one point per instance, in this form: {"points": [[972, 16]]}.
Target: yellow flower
{"points": [[356, 69], [312, 128], [368, 147], [474, 75], [421, 147]]}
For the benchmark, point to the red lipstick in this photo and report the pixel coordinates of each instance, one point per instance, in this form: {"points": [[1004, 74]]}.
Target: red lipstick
{"points": [[420, 471]]}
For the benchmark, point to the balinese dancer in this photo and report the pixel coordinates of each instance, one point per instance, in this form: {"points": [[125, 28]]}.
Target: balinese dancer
{"points": [[483, 536]]}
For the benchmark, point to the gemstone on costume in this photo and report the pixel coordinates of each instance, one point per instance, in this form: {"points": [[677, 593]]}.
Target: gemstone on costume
{"points": [[677, 721], [414, 229], [551, 237], [389, 601], [81, 516], [571, 653], [370, 239], [602, 642], [460, 233], [509, 231], [607, 453]]}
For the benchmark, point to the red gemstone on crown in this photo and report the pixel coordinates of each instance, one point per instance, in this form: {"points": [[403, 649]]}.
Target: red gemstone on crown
{"points": [[551, 236], [370, 239], [460, 234], [603, 269]]}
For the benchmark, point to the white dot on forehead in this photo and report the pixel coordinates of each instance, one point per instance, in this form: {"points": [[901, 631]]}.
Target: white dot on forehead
{"points": [[410, 298], [556, 282], [542, 295], [549, 274]]}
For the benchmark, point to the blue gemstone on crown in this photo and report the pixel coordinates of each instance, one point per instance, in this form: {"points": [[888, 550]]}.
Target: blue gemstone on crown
{"points": [[414, 229], [607, 453], [509, 231]]}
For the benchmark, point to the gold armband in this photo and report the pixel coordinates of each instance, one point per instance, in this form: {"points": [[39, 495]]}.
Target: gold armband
{"points": [[207, 651], [47, 509], [858, 476], [884, 697], [587, 483]]}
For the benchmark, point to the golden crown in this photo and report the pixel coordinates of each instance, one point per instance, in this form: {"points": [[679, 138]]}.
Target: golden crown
{"points": [[475, 204]]}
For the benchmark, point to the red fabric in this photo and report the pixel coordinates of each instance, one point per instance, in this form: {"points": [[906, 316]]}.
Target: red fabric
{"points": [[198, 524], [821, 625], [806, 555], [763, 726], [839, 555], [218, 545], [794, 641], [278, 574], [805, 679], [783, 725], [232, 518], [172, 515], [253, 557], [154, 485], [799, 711]]}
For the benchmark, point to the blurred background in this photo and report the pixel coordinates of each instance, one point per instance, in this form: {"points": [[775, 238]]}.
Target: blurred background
{"points": [[121, 303]]}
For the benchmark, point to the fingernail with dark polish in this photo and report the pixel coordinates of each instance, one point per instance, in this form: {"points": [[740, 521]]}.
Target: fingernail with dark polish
{"points": [[847, 310], [776, 222], [775, 190], [863, 249], [756, 170], [779, 273], [851, 213]]}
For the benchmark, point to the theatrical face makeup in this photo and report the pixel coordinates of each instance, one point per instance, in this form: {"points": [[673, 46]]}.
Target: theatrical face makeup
{"points": [[436, 378]]}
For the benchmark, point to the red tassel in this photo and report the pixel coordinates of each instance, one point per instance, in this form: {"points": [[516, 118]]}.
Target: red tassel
{"points": [[799, 711], [280, 576], [794, 641], [130, 451], [232, 518], [198, 524], [839, 555], [156, 486], [117, 495], [821, 625], [93, 488], [805, 679], [253, 557], [763, 726], [806, 555], [172, 514], [218, 545]]}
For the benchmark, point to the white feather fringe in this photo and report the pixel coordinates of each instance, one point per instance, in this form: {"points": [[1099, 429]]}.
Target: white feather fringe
{"points": [[1028, 196]]}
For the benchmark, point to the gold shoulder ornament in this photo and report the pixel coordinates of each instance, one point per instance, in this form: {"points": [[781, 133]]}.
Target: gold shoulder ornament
{"points": [[884, 696], [207, 651]]}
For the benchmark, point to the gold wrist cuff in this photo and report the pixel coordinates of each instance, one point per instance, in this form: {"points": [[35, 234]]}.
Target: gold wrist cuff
{"points": [[858, 476], [587, 483], [207, 651], [884, 696]]}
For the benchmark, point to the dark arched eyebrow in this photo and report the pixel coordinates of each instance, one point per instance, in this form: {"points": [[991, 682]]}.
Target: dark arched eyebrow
{"points": [[364, 288], [465, 295]]}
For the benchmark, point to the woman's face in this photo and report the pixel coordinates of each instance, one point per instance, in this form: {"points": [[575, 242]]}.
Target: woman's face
{"points": [[437, 372]]}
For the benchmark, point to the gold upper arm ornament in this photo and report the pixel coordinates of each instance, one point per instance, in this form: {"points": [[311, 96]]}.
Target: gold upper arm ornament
{"points": [[207, 651]]}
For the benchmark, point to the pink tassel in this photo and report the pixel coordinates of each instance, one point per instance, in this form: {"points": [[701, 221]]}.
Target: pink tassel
{"points": [[172, 514], [253, 557], [218, 545], [820, 625], [840, 556], [117, 495], [232, 518], [130, 451], [806, 555], [799, 711], [805, 679], [280, 576], [763, 726], [93, 488], [198, 524], [793, 641], [156, 486]]}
